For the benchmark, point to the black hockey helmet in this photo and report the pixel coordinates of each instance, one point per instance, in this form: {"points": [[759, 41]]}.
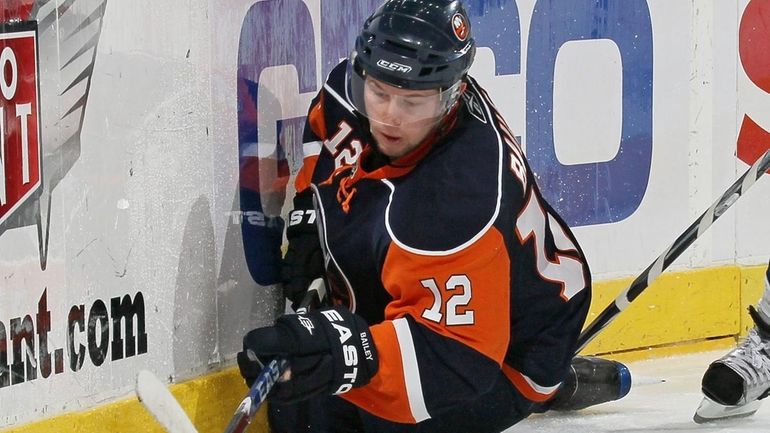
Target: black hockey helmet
{"points": [[413, 45], [416, 44]]}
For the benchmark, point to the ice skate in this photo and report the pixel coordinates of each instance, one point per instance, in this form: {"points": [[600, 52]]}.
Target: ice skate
{"points": [[734, 384], [592, 381]]}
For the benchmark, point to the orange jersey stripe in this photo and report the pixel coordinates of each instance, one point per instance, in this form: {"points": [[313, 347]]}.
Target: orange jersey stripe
{"points": [[385, 396], [474, 285], [305, 175], [316, 119]]}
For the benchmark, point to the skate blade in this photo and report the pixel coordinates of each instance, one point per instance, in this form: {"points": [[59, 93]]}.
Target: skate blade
{"points": [[709, 411]]}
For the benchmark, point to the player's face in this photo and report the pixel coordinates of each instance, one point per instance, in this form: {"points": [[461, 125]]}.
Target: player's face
{"points": [[400, 118]]}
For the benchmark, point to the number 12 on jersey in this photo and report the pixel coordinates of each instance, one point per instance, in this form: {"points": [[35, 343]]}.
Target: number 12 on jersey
{"points": [[460, 285]]}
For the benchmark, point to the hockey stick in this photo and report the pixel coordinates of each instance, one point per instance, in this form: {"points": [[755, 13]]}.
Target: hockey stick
{"points": [[270, 374], [736, 190], [157, 399]]}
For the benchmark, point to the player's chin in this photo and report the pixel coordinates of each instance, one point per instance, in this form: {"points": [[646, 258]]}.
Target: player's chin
{"points": [[390, 147]]}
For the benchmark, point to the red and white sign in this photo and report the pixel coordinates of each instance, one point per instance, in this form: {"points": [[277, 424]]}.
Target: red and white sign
{"points": [[20, 147]]}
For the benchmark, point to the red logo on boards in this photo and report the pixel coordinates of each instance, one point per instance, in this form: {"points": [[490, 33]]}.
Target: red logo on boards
{"points": [[15, 10], [20, 147], [460, 26]]}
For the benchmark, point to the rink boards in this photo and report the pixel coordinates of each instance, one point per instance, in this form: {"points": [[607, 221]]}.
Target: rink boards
{"points": [[683, 312], [141, 209]]}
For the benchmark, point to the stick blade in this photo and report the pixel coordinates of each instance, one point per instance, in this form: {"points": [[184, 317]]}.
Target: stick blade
{"points": [[157, 399]]}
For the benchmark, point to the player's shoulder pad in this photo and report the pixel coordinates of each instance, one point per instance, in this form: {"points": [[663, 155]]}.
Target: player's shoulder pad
{"points": [[338, 76], [336, 87]]}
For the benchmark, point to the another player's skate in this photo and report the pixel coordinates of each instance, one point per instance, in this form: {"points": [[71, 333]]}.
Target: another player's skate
{"points": [[734, 384], [591, 381]]}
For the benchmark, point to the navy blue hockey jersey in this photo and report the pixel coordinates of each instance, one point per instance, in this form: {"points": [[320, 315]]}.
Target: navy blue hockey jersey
{"points": [[450, 253]]}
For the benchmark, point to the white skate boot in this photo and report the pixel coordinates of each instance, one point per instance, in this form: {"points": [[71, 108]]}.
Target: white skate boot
{"points": [[734, 384]]}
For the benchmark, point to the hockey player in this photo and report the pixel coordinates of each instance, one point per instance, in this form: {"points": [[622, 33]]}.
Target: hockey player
{"points": [[458, 292], [734, 384]]}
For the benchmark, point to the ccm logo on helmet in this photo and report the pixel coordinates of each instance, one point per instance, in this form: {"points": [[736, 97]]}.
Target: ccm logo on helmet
{"points": [[460, 27], [393, 66]]}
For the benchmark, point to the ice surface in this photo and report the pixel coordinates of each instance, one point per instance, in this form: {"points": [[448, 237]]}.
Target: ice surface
{"points": [[652, 405]]}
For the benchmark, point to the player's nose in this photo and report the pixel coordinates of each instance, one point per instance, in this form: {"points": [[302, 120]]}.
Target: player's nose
{"points": [[392, 113]]}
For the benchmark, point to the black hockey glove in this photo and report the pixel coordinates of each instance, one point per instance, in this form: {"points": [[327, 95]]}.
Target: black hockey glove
{"points": [[329, 351], [303, 261]]}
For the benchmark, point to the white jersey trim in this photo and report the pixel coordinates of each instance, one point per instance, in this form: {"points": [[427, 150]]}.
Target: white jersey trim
{"points": [[339, 98], [327, 252], [543, 390], [411, 370]]}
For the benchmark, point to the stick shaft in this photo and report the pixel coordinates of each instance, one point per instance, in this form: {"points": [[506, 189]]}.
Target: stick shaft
{"points": [[273, 370], [696, 229]]}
